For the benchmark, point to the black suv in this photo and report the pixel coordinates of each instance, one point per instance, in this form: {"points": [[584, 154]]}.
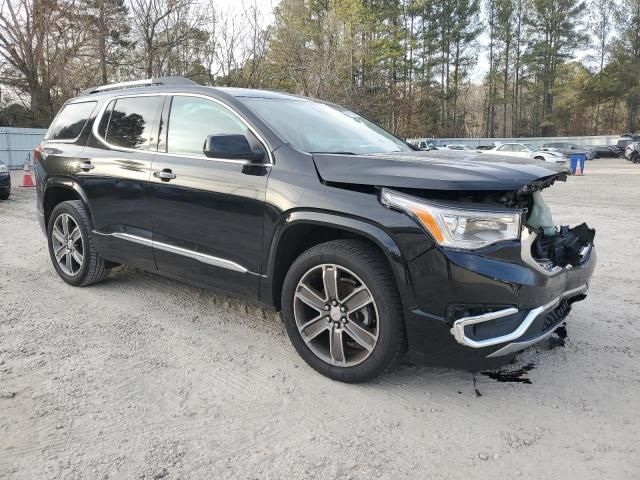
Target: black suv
{"points": [[369, 248]]}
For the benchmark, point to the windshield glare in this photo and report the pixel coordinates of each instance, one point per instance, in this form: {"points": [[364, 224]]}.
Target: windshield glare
{"points": [[315, 127]]}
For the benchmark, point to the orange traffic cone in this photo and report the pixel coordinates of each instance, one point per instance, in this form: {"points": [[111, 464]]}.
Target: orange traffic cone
{"points": [[27, 181]]}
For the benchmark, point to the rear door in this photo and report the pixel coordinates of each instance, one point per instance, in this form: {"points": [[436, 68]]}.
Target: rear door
{"points": [[208, 213], [114, 172]]}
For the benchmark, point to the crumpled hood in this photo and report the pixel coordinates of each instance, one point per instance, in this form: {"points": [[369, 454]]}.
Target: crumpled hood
{"points": [[436, 170]]}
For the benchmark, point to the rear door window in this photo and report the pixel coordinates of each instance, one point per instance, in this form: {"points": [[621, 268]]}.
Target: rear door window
{"points": [[130, 121], [69, 123]]}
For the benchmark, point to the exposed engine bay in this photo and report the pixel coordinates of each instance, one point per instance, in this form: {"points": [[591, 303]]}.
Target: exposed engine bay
{"points": [[555, 247]]}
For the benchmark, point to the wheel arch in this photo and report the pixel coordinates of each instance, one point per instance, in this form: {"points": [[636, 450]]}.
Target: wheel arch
{"points": [[57, 190], [302, 230]]}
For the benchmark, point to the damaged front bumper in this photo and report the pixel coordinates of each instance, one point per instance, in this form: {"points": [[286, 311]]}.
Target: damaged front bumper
{"points": [[527, 330], [486, 306]]}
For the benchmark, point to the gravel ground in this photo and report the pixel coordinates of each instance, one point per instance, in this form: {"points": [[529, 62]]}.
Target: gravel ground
{"points": [[144, 377]]}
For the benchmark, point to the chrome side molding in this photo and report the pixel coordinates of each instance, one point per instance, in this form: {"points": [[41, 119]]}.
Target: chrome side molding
{"points": [[458, 326], [200, 257]]}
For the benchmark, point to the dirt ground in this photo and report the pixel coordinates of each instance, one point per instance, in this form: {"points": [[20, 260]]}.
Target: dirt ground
{"points": [[144, 377]]}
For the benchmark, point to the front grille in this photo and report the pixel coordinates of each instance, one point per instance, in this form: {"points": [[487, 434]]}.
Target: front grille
{"points": [[549, 321]]}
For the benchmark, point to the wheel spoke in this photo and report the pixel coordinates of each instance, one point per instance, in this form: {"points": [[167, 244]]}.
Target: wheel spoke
{"points": [[65, 224], [59, 236], [358, 299], [68, 263], [363, 337], [330, 281], [310, 297], [59, 253], [336, 346], [313, 328], [77, 257], [75, 234]]}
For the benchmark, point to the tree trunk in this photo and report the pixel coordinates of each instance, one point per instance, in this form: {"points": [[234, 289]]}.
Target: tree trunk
{"points": [[102, 42]]}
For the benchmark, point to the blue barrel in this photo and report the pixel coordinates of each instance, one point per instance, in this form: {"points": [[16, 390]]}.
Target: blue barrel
{"points": [[573, 163]]}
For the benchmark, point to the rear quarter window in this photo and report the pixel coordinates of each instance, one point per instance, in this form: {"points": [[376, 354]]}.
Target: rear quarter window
{"points": [[128, 122], [70, 121]]}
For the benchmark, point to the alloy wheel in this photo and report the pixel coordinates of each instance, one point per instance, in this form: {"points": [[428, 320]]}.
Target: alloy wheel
{"points": [[68, 248], [336, 315]]}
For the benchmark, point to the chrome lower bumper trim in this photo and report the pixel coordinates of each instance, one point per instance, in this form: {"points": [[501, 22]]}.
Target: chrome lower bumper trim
{"points": [[517, 346], [459, 325]]}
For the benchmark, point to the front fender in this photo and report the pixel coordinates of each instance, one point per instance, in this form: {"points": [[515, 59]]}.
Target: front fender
{"points": [[355, 226]]}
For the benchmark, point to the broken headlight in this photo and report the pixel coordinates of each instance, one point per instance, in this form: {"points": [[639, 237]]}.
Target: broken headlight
{"points": [[456, 227]]}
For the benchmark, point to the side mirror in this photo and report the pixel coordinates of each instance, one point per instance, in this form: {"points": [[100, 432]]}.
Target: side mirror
{"points": [[234, 147]]}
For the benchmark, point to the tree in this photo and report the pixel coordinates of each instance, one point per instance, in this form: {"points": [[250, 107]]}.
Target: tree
{"points": [[39, 39], [108, 23], [162, 25], [554, 35]]}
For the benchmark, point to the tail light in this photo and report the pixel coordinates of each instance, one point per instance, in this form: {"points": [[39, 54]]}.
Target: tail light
{"points": [[36, 154]]}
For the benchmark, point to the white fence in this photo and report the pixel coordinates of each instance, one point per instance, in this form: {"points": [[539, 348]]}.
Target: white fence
{"points": [[589, 141], [16, 144]]}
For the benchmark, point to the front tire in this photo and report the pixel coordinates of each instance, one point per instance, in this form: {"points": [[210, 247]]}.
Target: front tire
{"points": [[342, 311], [71, 245]]}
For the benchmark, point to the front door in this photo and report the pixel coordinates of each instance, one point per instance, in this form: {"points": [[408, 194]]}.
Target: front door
{"points": [[207, 213]]}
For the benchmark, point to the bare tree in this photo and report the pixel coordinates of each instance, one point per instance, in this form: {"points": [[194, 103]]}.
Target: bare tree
{"points": [[38, 40], [160, 26]]}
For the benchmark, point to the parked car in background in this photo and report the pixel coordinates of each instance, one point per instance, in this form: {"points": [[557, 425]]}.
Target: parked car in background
{"points": [[5, 181], [462, 148], [633, 136], [485, 147], [526, 150], [569, 148], [606, 151], [367, 247], [424, 145], [622, 143], [632, 152]]}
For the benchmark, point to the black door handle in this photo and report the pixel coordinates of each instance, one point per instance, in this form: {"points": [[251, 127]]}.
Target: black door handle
{"points": [[86, 166], [165, 174]]}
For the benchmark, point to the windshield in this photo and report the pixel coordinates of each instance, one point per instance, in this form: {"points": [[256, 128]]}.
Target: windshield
{"points": [[321, 128]]}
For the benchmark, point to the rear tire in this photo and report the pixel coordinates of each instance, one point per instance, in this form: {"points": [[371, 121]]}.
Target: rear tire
{"points": [[369, 337], [71, 245]]}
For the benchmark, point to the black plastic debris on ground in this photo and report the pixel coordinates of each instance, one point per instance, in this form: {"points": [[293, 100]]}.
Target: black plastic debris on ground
{"points": [[511, 376], [558, 340]]}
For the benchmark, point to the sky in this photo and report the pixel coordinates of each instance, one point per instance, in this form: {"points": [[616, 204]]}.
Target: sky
{"points": [[237, 6]]}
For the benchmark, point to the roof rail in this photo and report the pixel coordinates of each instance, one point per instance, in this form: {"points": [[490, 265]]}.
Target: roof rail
{"points": [[141, 83]]}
